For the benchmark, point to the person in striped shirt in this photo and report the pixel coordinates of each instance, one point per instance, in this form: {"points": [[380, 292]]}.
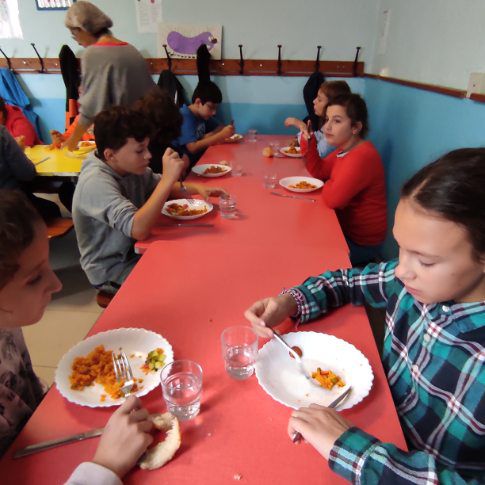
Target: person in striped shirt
{"points": [[434, 344]]}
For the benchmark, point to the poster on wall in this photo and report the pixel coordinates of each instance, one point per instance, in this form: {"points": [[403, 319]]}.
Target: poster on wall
{"points": [[53, 4], [10, 20], [183, 40], [148, 15]]}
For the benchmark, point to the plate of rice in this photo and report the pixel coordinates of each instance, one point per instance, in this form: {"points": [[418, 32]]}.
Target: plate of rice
{"points": [[85, 374]]}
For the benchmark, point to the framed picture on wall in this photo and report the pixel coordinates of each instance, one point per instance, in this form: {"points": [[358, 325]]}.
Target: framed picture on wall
{"points": [[53, 4]]}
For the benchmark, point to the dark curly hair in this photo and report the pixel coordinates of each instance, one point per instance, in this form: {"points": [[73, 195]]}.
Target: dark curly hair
{"points": [[453, 187], [114, 126], [17, 231], [163, 115]]}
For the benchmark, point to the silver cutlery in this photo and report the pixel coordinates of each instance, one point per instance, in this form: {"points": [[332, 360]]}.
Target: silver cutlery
{"points": [[123, 372], [295, 355], [293, 196], [45, 445], [187, 225], [42, 161], [297, 436]]}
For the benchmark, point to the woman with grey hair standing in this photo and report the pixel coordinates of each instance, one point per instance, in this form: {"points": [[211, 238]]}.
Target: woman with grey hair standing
{"points": [[113, 72]]}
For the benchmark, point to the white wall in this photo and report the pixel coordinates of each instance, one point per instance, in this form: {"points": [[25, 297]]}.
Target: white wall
{"points": [[338, 25], [434, 41]]}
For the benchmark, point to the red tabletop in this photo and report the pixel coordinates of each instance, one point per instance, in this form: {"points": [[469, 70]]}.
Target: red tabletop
{"points": [[189, 287], [262, 215]]}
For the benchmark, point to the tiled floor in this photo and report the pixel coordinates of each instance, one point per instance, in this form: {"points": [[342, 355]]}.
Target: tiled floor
{"points": [[69, 316]]}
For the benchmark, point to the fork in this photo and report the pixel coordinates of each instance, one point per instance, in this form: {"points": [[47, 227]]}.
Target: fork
{"points": [[123, 372], [296, 437], [190, 200]]}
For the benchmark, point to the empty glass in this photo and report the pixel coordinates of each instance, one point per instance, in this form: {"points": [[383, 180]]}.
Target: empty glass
{"points": [[181, 382], [239, 350], [237, 169]]}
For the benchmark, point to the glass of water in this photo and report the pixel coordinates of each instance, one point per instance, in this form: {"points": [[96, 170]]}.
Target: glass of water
{"points": [[239, 350], [182, 387], [270, 180], [228, 206], [252, 135]]}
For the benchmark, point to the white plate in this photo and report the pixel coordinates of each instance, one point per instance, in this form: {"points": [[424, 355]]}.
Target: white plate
{"points": [[280, 376], [293, 155], [200, 169], [194, 203], [287, 182], [137, 341], [234, 138]]}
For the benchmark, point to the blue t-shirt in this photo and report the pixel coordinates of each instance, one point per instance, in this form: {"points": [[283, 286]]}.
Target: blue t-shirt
{"points": [[193, 129]]}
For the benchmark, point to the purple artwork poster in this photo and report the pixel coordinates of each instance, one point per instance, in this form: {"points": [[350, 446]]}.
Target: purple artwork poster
{"points": [[183, 40]]}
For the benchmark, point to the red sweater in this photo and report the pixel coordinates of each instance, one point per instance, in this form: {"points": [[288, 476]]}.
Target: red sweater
{"points": [[18, 125], [355, 187]]}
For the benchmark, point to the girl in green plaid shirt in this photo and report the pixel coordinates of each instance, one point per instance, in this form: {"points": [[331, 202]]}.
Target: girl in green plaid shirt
{"points": [[434, 344]]}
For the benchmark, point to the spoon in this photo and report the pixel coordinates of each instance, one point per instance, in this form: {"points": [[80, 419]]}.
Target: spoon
{"points": [[295, 355]]}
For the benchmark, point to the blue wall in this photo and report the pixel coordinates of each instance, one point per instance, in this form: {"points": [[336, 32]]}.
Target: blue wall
{"points": [[411, 128]]}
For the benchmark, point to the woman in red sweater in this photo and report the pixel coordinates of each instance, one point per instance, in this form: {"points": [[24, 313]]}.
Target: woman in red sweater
{"points": [[354, 177]]}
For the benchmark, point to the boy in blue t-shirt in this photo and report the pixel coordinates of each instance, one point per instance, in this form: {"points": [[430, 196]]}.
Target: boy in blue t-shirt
{"points": [[199, 129]]}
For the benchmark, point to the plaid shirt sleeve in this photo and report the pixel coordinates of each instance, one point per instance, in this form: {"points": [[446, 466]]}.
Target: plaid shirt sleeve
{"points": [[361, 458], [336, 288]]}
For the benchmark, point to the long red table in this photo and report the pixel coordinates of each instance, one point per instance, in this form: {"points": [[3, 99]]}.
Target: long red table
{"points": [[189, 286]]}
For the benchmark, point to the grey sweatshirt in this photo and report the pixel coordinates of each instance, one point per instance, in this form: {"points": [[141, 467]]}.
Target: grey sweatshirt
{"points": [[111, 75], [103, 209], [15, 167]]}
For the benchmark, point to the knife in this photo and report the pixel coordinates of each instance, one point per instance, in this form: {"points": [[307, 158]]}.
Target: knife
{"points": [[293, 196], [42, 161], [187, 225], [45, 445]]}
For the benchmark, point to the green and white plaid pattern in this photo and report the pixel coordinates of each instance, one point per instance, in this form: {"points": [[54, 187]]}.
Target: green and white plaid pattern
{"points": [[434, 358]]}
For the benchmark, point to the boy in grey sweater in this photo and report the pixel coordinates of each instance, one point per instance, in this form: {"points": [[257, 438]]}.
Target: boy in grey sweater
{"points": [[118, 198]]}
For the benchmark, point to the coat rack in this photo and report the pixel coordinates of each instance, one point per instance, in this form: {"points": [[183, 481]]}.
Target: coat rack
{"points": [[226, 67]]}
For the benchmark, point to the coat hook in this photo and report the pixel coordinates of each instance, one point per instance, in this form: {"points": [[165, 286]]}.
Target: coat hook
{"points": [[280, 71], [355, 70], [169, 59], [317, 62], [9, 62], [241, 60], [42, 67]]}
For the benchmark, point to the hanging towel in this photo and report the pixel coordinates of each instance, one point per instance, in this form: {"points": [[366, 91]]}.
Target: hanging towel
{"points": [[11, 91], [71, 76]]}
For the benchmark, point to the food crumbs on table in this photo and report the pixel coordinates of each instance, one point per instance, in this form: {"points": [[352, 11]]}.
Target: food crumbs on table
{"points": [[237, 476], [209, 435], [327, 379]]}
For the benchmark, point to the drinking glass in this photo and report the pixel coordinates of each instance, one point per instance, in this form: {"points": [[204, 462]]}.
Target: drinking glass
{"points": [[239, 350], [228, 206], [181, 382], [252, 135], [270, 181]]}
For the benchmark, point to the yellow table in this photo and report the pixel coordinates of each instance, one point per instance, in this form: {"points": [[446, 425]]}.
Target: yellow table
{"points": [[58, 161]]}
